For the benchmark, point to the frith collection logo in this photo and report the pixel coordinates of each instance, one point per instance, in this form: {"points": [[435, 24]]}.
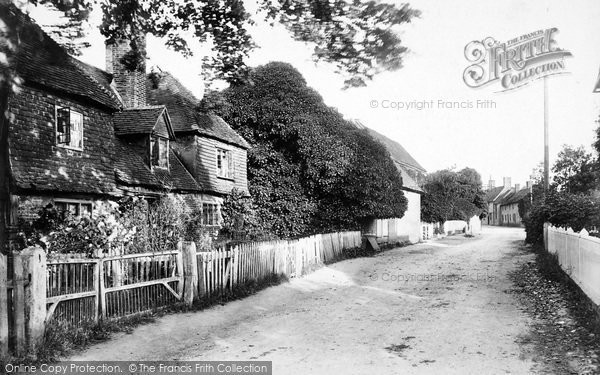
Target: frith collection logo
{"points": [[514, 63]]}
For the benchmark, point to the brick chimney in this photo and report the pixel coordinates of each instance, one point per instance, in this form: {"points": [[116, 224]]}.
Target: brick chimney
{"points": [[529, 185], [506, 182], [517, 187], [131, 85], [491, 184]]}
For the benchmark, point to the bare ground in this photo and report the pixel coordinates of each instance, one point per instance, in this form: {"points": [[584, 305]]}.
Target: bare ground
{"points": [[438, 307]]}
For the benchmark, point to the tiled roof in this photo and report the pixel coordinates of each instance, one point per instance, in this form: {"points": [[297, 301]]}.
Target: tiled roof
{"points": [[139, 120], [178, 177], [516, 197], [131, 170], [214, 126], [492, 193], [397, 152], [407, 181], [40, 60], [165, 89], [504, 197]]}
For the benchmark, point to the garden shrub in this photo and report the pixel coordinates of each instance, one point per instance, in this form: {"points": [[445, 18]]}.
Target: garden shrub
{"points": [[132, 225], [561, 209]]}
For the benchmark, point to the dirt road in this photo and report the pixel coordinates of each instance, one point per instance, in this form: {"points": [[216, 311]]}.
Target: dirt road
{"points": [[433, 308]]}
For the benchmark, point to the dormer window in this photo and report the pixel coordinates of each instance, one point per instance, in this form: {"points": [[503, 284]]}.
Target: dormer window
{"points": [[159, 151], [69, 128]]}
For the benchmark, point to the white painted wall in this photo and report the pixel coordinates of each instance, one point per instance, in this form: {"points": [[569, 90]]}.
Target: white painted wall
{"points": [[394, 230], [410, 224]]}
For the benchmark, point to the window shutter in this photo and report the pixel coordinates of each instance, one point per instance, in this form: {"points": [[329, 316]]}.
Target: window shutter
{"points": [[63, 125]]}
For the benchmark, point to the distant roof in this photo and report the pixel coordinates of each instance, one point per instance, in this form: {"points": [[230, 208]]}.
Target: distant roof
{"points": [[131, 170], [597, 87], [516, 197], [397, 152], [504, 196], [40, 60], [163, 88], [142, 120], [408, 183], [492, 193]]}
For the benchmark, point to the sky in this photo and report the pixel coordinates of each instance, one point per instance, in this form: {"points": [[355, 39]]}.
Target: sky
{"points": [[502, 138]]}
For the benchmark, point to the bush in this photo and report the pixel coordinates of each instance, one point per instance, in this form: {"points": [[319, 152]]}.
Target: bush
{"points": [[561, 209], [309, 169], [132, 225], [240, 220]]}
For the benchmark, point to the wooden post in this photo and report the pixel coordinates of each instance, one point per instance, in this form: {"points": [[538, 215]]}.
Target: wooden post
{"points": [[98, 286], [101, 289], [190, 272], [179, 259], [18, 301], [3, 309], [34, 270], [546, 137]]}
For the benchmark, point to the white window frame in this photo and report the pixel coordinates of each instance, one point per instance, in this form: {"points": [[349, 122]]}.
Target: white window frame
{"points": [[215, 218], [72, 114], [77, 202], [166, 147], [227, 173]]}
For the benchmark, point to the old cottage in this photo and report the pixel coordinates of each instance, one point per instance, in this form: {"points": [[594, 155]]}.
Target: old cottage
{"points": [[79, 137]]}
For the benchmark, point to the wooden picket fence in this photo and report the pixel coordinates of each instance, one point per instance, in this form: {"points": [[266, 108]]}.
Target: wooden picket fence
{"points": [[76, 290], [237, 264]]}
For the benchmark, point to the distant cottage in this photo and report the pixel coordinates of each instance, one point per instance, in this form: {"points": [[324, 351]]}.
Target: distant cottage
{"points": [[80, 137], [407, 228], [503, 202]]}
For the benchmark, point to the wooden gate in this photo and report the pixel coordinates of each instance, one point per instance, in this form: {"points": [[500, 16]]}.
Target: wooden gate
{"points": [[140, 282], [72, 290]]}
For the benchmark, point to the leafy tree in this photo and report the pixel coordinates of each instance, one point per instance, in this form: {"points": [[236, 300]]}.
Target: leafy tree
{"points": [[574, 170], [451, 195], [239, 217], [309, 169], [276, 188], [361, 38], [537, 180]]}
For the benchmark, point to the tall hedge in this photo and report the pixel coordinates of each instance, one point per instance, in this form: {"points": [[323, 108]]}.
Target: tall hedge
{"points": [[561, 209], [309, 169]]}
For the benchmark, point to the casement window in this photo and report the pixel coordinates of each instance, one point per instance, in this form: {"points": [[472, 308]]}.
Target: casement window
{"points": [[224, 163], [159, 151], [75, 208], [69, 128], [210, 214]]}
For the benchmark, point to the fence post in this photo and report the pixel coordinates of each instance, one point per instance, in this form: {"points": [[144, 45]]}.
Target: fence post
{"points": [[34, 270], [18, 301], [190, 272], [3, 308]]}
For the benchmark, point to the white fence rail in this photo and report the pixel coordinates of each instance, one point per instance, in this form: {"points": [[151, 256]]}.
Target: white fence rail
{"points": [[578, 255]]}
